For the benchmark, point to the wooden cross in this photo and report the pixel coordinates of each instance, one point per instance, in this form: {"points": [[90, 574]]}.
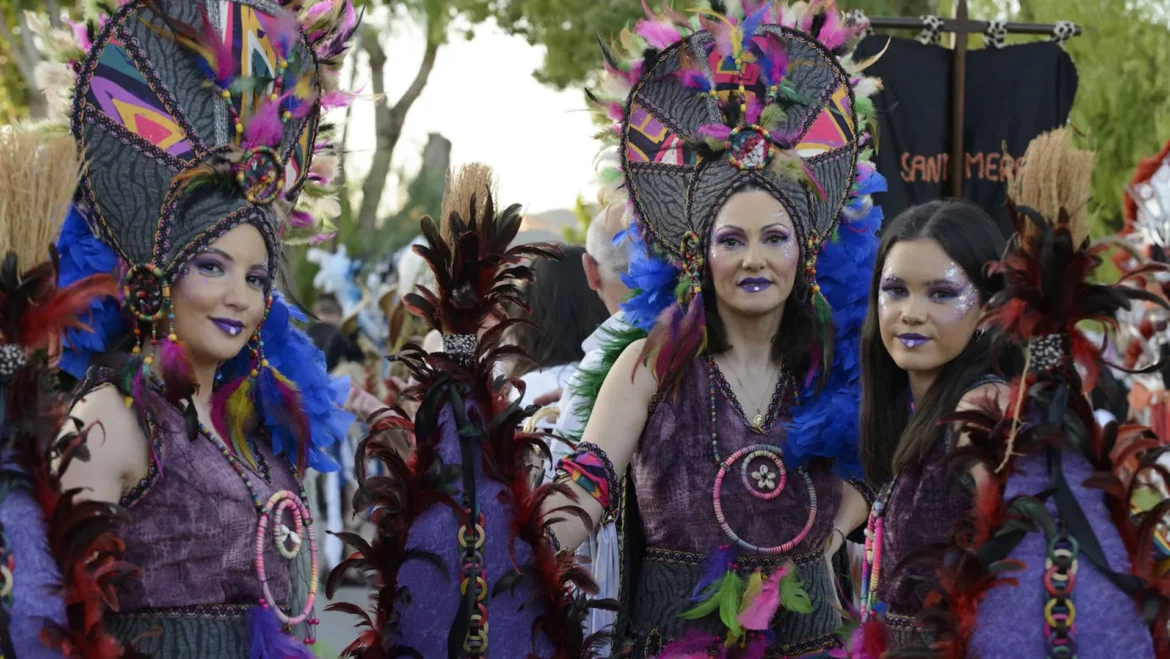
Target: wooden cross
{"points": [[960, 26]]}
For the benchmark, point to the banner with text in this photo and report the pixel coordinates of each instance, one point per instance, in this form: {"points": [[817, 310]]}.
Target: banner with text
{"points": [[1013, 94]]}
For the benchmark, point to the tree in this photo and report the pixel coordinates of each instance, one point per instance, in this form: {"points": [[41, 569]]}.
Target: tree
{"points": [[389, 118], [19, 97], [569, 29], [1122, 108]]}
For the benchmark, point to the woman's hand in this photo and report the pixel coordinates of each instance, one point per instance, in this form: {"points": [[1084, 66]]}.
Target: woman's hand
{"points": [[362, 403]]}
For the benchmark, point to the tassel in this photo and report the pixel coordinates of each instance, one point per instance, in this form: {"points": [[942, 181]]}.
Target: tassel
{"points": [[757, 614], [240, 418], [824, 314], [279, 401], [178, 374], [266, 639], [716, 566]]}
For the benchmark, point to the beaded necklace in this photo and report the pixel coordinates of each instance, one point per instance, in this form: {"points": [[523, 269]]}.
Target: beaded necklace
{"points": [[288, 541], [767, 484], [874, 537]]}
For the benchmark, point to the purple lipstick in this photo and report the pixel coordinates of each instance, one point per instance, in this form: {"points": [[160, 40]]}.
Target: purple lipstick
{"points": [[230, 327], [912, 340], [754, 284]]}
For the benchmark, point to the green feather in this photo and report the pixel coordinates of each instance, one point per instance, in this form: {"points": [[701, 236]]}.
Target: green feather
{"points": [[793, 597], [863, 106], [772, 115], [730, 597], [589, 380], [716, 144], [725, 597], [825, 322], [610, 175]]}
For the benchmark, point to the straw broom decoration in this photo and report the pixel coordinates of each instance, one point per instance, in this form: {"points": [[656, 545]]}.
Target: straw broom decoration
{"points": [[37, 183]]}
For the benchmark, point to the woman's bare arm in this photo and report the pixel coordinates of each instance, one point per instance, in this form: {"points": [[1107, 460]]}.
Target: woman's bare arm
{"points": [[615, 426], [118, 454]]}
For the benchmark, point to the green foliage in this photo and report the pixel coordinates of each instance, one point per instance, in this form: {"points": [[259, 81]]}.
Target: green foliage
{"points": [[576, 235], [1123, 99]]}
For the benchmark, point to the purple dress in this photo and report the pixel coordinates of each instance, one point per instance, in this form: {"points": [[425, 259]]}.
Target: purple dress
{"points": [[192, 532], [924, 506], [674, 471], [1011, 618]]}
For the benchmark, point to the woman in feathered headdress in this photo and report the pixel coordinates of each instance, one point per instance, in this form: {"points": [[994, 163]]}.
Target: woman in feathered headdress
{"points": [[740, 132], [199, 125], [1055, 557]]}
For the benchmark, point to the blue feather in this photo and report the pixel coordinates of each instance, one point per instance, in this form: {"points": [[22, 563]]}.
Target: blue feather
{"points": [[82, 255], [825, 424], [718, 563], [752, 22], [651, 281]]}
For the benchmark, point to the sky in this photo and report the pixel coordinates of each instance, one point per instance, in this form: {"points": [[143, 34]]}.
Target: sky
{"points": [[482, 97]]}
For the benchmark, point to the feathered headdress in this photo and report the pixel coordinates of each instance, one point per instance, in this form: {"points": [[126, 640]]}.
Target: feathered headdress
{"points": [[194, 118], [698, 105], [461, 544]]}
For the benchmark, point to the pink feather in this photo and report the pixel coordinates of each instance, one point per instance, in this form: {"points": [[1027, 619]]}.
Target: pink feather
{"points": [[813, 179], [754, 108], [219, 399], [219, 54], [615, 111], [282, 30], [694, 645], [695, 79], [317, 11], [834, 33], [80, 34], [758, 615], [265, 127], [717, 131], [178, 374], [335, 99], [658, 34], [300, 220]]}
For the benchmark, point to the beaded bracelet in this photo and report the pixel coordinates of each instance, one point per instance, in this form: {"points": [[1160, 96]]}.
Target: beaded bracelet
{"points": [[591, 469]]}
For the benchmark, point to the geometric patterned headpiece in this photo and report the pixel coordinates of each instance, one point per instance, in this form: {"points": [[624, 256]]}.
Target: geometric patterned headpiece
{"points": [[194, 116], [727, 101]]}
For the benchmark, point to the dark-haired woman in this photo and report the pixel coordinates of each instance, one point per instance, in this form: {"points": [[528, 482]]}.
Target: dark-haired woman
{"points": [[563, 311], [922, 359]]}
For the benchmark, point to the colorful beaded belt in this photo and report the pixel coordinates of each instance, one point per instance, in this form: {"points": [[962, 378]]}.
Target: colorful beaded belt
{"points": [[746, 562]]}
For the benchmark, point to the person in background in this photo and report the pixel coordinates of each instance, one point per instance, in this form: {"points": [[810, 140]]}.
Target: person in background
{"points": [[606, 260], [563, 312], [327, 309]]}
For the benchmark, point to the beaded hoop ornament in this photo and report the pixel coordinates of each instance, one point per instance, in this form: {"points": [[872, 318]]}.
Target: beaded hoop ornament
{"points": [[747, 454], [260, 175], [278, 503], [146, 292]]}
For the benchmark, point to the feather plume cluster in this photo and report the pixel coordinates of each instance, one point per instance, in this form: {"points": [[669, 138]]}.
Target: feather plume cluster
{"points": [[476, 273], [82, 535]]}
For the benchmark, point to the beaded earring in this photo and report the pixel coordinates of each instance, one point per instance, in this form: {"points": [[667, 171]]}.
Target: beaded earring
{"points": [[147, 297]]}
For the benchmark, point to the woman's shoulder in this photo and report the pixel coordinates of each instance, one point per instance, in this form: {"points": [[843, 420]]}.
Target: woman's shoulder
{"points": [[105, 406]]}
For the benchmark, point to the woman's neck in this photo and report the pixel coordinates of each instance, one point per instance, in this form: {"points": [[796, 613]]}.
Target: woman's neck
{"points": [[920, 383], [750, 338]]}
